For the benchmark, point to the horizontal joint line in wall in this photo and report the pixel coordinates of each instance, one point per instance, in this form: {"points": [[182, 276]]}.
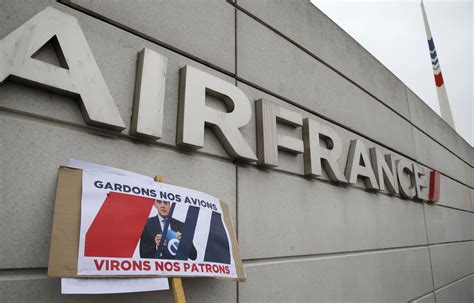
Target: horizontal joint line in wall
{"points": [[423, 295], [144, 36], [314, 257], [452, 283], [450, 207], [341, 254], [12, 274], [109, 134], [294, 43], [449, 242]]}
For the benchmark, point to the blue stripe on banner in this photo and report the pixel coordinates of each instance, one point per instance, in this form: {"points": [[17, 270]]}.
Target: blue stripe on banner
{"points": [[433, 55], [431, 44], [435, 61], [217, 249], [188, 230]]}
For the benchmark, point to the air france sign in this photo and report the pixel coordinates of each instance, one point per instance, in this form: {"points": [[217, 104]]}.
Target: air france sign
{"points": [[321, 144]]}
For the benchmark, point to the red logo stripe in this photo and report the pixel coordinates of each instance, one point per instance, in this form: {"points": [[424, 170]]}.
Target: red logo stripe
{"points": [[434, 186], [117, 227], [439, 79]]}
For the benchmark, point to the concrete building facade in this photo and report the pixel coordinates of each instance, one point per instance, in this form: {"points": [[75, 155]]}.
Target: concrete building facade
{"points": [[301, 239]]}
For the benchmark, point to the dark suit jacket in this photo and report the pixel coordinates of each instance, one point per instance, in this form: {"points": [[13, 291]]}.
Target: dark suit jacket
{"points": [[151, 229]]}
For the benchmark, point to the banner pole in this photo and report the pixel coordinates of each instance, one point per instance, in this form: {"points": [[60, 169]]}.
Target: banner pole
{"points": [[176, 283]]}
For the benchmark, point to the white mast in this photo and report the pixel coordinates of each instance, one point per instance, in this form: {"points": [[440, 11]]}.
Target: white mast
{"points": [[440, 87]]}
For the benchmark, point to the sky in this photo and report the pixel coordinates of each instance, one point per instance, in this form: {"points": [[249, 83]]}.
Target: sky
{"points": [[393, 32]]}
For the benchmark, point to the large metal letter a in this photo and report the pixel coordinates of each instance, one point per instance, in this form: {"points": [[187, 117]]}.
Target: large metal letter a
{"points": [[81, 77]]}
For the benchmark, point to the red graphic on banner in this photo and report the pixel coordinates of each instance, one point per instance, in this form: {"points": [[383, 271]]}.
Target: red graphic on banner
{"points": [[434, 186], [116, 229]]}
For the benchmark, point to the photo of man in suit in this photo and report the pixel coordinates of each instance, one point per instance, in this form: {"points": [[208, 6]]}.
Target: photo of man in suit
{"points": [[152, 243]]}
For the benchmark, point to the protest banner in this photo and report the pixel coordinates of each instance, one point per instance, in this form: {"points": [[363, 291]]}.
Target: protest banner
{"points": [[135, 227]]}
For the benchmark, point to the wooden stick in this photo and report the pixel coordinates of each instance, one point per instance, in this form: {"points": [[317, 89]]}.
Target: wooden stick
{"points": [[176, 283], [178, 290]]}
